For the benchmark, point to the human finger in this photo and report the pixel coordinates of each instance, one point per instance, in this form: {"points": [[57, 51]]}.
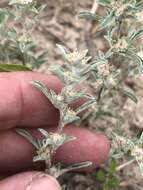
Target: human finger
{"points": [[21, 104], [17, 153], [30, 180]]}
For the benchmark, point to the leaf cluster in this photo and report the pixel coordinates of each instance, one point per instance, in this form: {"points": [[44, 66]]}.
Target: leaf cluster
{"points": [[17, 23], [109, 178], [47, 147]]}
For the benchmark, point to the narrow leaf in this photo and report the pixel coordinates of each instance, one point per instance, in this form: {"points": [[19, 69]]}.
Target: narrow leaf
{"points": [[104, 2], [130, 95], [89, 15], [2, 17], [38, 158], [13, 67], [137, 59], [77, 166], [44, 132], [112, 168], [69, 118], [105, 22], [28, 136], [42, 87], [57, 70], [85, 106], [136, 34], [63, 50], [140, 141]]}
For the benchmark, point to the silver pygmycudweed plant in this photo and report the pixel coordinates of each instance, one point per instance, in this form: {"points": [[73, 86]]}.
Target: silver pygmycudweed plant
{"points": [[76, 71], [122, 24], [72, 75], [17, 22]]}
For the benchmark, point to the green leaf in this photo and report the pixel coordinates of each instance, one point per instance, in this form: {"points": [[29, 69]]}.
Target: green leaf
{"points": [[63, 50], [44, 132], [130, 95], [108, 19], [104, 2], [106, 187], [74, 96], [113, 181], [50, 94], [42, 87], [90, 16], [58, 71], [85, 106], [42, 7], [13, 67], [136, 34], [109, 38], [112, 167], [41, 59], [18, 2], [12, 33], [101, 176], [28, 136], [137, 59], [2, 17], [70, 117], [139, 4], [140, 141], [77, 166]]}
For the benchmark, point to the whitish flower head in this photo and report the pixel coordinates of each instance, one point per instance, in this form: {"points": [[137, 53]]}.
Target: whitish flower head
{"points": [[20, 2], [76, 56], [24, 39], [69, 77], [104, 69], [60, 98], [71, 112], [119, 7], [121, 44], [55, 137], [137, 152], [71, 93], [120, 142], [126, 145]]}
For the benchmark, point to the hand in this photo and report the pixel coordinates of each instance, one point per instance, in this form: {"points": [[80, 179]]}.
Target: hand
{"points": [[22, 105]]}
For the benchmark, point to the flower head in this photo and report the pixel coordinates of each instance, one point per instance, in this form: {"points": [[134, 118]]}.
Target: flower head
{"points": [[20, 2], [121, 44], [76, 56]]}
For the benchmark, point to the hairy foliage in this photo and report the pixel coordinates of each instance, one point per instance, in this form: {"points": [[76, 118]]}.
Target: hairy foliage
{"points": [[106, 73]]}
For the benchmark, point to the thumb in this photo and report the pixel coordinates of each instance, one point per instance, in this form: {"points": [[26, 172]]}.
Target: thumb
{"points": [[30, 181]]}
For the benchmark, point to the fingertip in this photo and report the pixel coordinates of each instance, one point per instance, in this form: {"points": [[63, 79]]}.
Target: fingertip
{"points": [[30, 181], [103, 146], [44, 182], [88, 146]]}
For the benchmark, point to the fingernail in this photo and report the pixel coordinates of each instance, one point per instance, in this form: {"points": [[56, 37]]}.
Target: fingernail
{"points": [[44, 182]]}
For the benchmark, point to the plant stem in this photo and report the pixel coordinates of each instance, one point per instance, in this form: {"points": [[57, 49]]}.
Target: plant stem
{"points": [[125, 164], [94, 7]]}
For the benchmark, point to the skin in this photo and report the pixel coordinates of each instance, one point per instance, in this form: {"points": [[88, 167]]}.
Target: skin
{"points": [[22, 105]]}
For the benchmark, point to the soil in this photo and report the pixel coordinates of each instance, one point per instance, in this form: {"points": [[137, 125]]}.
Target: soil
{"points": [[59, 24]]}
